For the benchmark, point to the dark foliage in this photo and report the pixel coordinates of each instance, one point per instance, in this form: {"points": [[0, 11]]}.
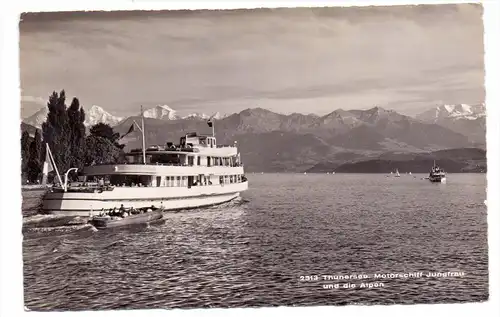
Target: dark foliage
{"points": [[105, 131], [76, 132], [56, 132], [25, 151], [100, 150], [34, 165]]}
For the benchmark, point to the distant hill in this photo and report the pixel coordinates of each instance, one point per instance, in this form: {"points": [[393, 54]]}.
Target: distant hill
{"points": [[453, 161]]}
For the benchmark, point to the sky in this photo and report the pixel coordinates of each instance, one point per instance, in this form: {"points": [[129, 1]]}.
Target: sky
{"points": [[307, 60]]}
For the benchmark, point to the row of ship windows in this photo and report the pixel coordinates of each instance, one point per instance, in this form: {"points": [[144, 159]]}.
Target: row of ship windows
{"points": [[169, 181], [199, 180], [185, 160]]}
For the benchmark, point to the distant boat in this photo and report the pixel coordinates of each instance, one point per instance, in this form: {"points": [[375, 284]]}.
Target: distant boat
{"points": [[437, 174], [409, 173], [397, 173]]}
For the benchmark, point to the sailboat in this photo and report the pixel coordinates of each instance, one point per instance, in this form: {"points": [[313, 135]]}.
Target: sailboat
{"points": [[397, 173]]}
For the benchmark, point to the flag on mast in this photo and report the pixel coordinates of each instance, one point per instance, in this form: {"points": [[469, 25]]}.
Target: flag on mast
{"points": [[210, 123], [130, 130], [210, 120]]}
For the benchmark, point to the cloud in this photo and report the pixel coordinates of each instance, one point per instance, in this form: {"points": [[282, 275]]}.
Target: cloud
{"points": [[204, 59], [36, 100]]}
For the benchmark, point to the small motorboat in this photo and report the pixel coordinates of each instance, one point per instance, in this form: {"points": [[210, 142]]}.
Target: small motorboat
{"points": [[117, 218]]}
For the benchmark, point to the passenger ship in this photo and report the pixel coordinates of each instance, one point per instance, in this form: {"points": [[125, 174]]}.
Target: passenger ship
{"points": [[196, 172], [437, 174]]}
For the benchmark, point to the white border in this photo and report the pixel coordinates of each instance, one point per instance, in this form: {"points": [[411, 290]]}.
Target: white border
{"points": [[11, 300]]}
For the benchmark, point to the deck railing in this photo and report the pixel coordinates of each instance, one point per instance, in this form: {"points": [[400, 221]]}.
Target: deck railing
{"points": [[93, 188], [166, 164]]}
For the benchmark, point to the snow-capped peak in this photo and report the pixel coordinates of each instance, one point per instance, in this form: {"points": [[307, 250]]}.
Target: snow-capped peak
{"points": [[218, 116], [448, 108], [463, 111], [196, 115], [203, 116], [163, 112], [93, 116], [37, 118], [457, 111], [97, 114]]}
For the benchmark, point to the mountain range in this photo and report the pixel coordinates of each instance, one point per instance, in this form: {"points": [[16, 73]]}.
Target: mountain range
{"points": [[272, 141], [93, 116], [97, 114]]}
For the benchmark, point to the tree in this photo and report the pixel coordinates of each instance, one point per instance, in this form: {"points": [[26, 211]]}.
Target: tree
{"points": [[56, 130], [35, 157], [99, 150], [106, 131], [25, 151], [76, 126]]}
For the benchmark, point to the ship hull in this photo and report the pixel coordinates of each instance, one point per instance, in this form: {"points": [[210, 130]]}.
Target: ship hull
{"points": [[438, 179], [167, 198]]}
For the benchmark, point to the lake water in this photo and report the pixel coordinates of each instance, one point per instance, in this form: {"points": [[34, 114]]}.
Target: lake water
{"points": [[253, 252]]}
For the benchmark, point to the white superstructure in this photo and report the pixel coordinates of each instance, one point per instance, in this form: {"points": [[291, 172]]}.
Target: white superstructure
{"points": [[437, 174], [196, 172]]}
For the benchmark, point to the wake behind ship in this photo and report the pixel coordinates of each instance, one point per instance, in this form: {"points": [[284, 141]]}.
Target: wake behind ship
{"points": [[194, 173]]}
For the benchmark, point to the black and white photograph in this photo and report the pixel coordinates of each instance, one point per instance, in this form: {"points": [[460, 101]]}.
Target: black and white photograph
{"points": [[250, 158]]}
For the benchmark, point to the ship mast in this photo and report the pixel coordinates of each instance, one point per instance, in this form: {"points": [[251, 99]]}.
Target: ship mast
{"points": [[141, 128], [53, 162], [210, 123], [143, 137]]}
